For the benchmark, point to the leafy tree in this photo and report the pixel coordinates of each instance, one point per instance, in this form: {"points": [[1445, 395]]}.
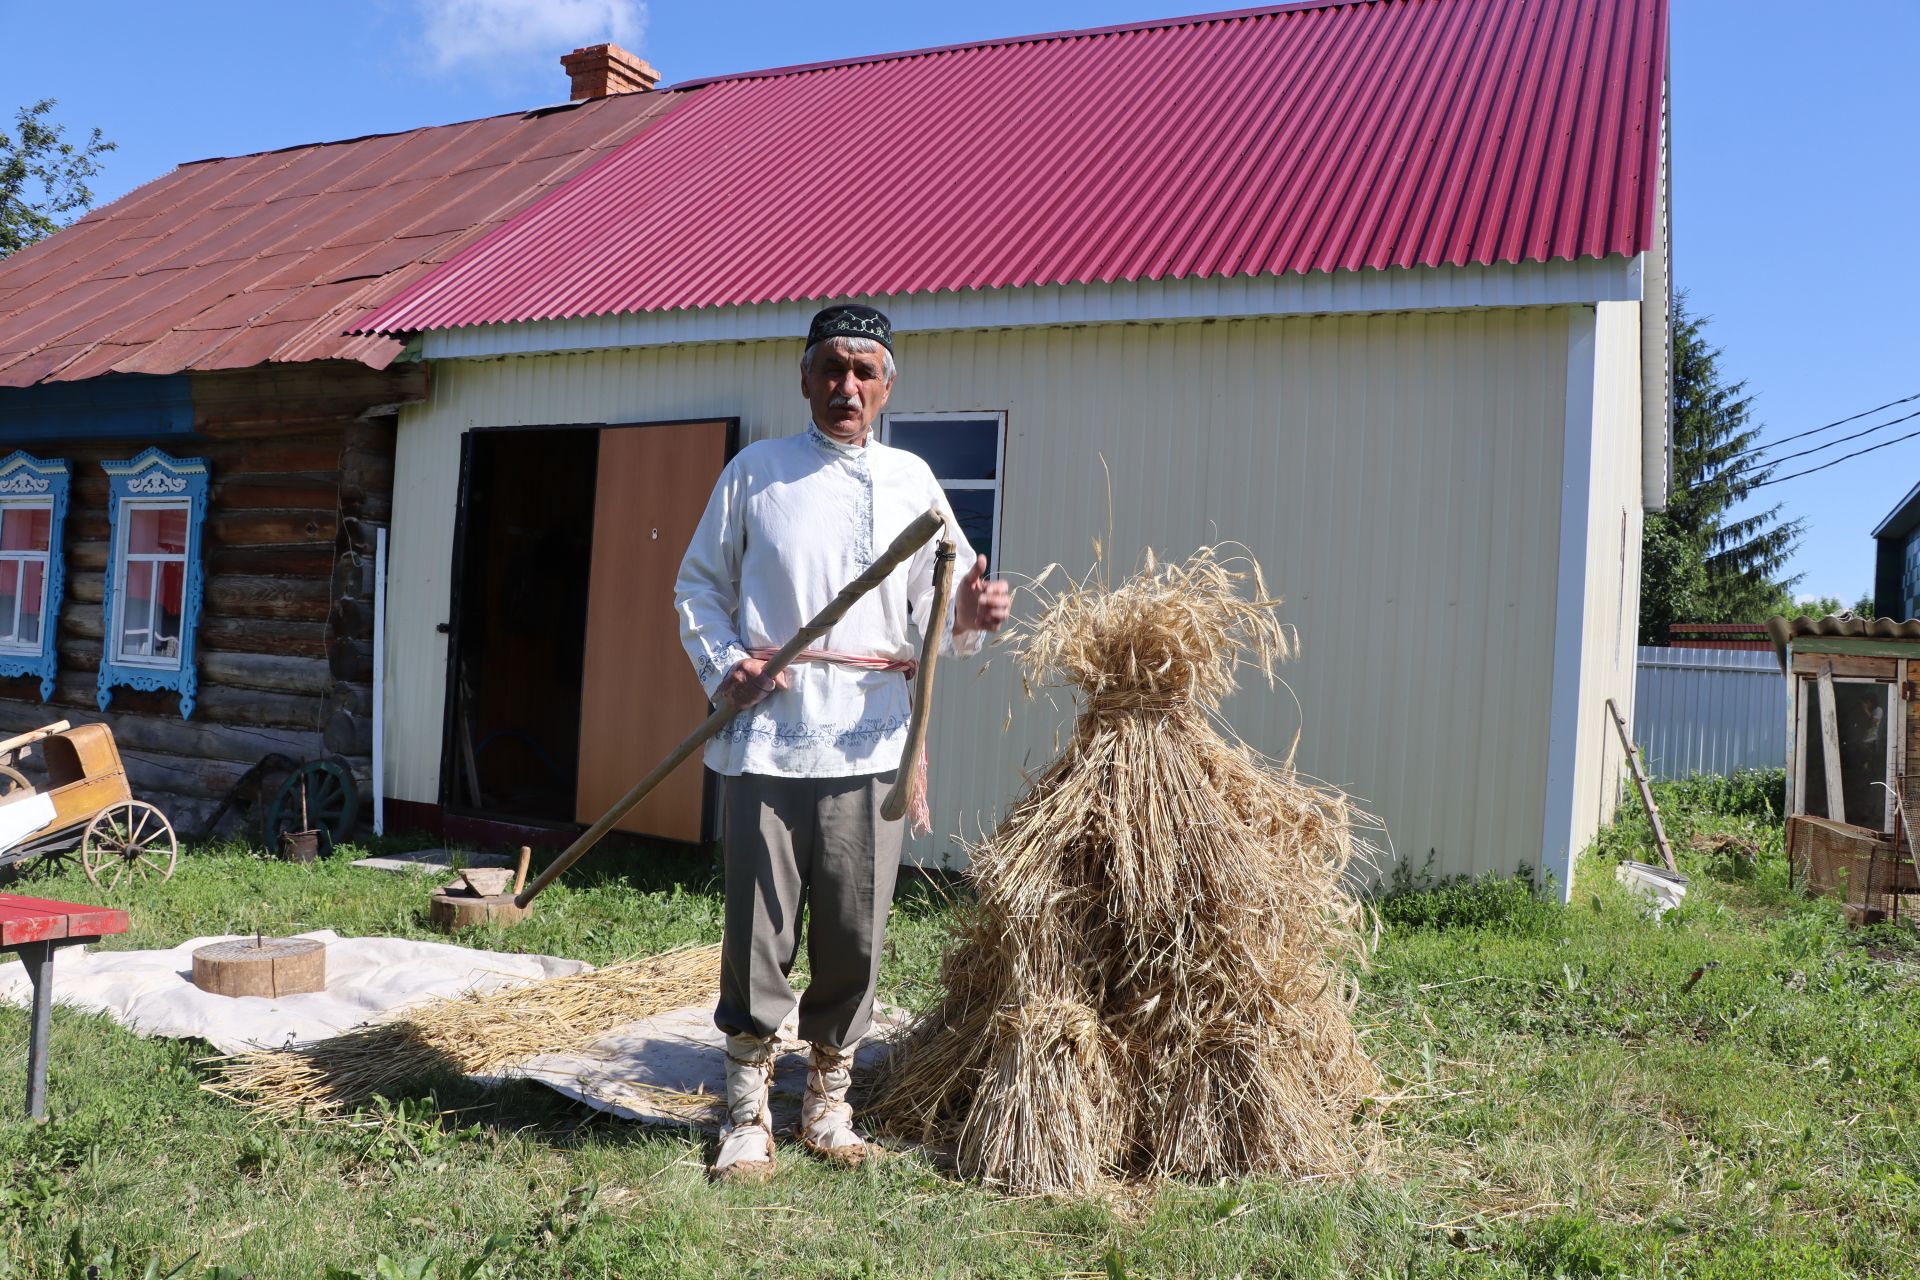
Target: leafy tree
{"points": [[1699, 563], [43, 177]]}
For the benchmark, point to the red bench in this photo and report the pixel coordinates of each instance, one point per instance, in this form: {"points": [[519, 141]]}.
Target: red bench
{"points": [[34, 927]]}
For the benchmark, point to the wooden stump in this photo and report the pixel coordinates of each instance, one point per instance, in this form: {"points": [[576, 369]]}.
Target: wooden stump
{"points": [[458, 910], [261, 967]]}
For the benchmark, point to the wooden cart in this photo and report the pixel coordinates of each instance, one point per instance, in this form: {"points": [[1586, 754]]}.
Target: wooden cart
{"points": [[119, 839]]}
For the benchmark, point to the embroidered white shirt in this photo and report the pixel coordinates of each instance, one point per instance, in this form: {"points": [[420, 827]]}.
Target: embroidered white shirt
{"points": [[792, 521]]}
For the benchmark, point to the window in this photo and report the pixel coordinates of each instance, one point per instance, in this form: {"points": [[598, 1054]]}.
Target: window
{"points": [[966, 451], [152, 582], [26, 538], [152, 600], [33, 507]]}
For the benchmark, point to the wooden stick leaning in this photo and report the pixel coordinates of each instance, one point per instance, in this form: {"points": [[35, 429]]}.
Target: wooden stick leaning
{"points": [[901, 795], [1646, 795], [911, 539]]}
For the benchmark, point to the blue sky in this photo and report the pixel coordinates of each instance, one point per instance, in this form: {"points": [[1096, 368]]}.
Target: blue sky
{"points": [[1796, 187]]}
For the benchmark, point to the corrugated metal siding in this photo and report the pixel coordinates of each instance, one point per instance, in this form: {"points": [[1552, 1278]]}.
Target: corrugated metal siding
{"points": [[1332, 137], [1397, 476], [1612, 566], [1709, 711]]}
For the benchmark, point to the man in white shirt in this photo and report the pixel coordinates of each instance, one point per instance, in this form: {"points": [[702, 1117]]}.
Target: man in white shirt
{"points": [[813, 752]]}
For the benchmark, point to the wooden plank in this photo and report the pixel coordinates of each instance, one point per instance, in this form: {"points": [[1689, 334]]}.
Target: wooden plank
{"points": [[1830, 746], [638, 696], [1847, 665], [22, 929]]}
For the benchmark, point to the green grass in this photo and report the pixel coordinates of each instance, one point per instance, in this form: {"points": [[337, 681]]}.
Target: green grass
{"points": [[1567, 1105]]}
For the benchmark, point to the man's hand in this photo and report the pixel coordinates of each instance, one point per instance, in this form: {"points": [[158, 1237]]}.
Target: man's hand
{"points": [[981, 605], [744, 685]]}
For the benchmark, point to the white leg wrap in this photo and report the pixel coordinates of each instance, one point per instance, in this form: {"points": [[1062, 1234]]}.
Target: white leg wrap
{"points": [[826, 1118], [746, 1140]]}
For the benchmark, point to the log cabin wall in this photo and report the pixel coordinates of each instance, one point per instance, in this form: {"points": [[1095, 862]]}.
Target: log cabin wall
{"points": [[301, 459]]}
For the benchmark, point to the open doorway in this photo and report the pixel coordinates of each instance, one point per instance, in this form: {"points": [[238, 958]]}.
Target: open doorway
{"points": [[566, 678], [522, 562]]}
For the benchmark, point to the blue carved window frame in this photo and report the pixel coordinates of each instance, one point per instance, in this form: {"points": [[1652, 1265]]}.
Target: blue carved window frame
{"points": [[153, 478], [25, 477]]}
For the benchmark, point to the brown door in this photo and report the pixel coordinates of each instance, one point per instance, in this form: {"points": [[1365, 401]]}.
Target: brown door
{"points": [[638, 695]]}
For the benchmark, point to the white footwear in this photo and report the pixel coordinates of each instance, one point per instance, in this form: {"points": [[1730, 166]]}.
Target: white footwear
{"points": [[826, 1118], [746, 1140]]}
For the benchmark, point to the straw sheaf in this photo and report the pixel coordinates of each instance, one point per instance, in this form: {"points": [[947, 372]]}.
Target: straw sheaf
{"points": [[1150, 981], [468, 1035]]}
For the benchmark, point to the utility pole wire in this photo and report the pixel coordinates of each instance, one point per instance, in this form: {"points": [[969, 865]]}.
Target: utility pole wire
{"points": [[1788, 457], [1837, 461], [1758, 448]]}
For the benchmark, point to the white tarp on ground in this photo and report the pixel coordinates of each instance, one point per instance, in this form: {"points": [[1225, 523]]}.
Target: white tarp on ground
{"points": [[668, 1069], [152, 992], [672, 1069]]}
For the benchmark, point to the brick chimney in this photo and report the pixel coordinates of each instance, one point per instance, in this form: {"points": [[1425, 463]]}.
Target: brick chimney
{"points": [[602, 69]]}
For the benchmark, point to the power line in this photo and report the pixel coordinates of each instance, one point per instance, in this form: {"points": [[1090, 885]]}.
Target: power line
{"points": [[1842, 458], [1890, 422], [1758, 448]]}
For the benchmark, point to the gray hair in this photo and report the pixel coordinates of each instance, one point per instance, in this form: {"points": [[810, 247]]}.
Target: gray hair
{"points": [[855, 346]]}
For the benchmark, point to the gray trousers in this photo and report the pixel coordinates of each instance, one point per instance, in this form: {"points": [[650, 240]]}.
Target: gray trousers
{"points": [[812, 844]]}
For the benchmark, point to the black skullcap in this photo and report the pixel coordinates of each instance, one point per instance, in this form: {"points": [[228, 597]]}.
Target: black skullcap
{"points": [[851, 322]]}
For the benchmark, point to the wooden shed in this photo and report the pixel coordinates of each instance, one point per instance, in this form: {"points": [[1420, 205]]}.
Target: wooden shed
{"points": [[199, 460], [1853, 756]]}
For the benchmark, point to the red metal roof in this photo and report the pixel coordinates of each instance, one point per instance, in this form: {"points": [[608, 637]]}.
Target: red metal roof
{"points": [[1305, 137], [227, 263]]}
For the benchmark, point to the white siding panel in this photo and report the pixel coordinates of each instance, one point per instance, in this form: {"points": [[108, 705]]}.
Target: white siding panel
{"points": [[1610, 587], [1709, 711], [1524, 284], [1396, 476]]}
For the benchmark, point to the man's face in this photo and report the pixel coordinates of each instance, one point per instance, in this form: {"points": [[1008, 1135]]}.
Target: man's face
{"points": [[846, 389]]}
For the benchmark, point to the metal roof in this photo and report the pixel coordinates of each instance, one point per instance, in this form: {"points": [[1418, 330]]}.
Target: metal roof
{"points": [[227, 263], [1295, 138], [1900, 521], [1838, 626]]}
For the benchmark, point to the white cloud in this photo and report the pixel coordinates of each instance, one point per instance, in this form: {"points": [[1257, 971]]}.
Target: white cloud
{"points": [[496, 32]]}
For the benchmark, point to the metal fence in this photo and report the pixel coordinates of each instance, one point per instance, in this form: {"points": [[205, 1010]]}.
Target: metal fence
{"points": [[1709, 711]]}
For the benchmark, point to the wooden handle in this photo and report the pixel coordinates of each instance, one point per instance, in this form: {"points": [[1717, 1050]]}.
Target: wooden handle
{"points": [[897, 799], [911, 539], [15, 743], [520, 872]]}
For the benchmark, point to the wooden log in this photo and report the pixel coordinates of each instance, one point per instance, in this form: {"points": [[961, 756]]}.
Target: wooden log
{"points": [[264, 529], [264, 635], [294, 599], [261, 967], [267, 671], [348, 734], [459, 911], [288, 527], [197, 739], [305, 560], [352, 660], [216, 701]]}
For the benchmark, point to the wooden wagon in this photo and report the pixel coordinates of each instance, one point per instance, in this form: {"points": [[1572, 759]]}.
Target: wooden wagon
{"points": [[86, 807]]}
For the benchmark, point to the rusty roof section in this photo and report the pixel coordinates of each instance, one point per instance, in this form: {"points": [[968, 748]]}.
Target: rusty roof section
{"points": [[270, 258]]}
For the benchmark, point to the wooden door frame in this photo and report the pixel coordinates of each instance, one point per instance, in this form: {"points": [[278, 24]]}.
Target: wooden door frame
{"points": [[450, 804]]}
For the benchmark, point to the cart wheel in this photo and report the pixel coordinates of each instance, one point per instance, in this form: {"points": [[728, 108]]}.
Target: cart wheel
{"points": [[12, 781], [332, 804], [129, 842]]}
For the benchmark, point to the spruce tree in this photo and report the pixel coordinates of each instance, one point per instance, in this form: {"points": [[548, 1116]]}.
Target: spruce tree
{"points": [[1699, 562]]}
